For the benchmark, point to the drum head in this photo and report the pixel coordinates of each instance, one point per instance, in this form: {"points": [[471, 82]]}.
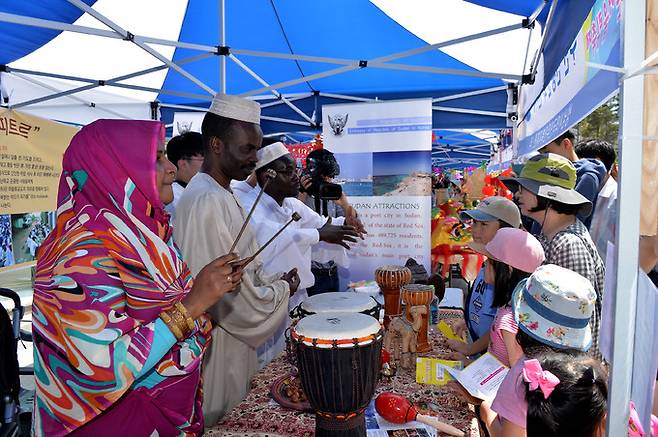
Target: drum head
{"points": [[338, 302], [326, 329]]}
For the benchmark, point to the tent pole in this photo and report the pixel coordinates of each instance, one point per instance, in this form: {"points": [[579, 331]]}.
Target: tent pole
{"points": [[285, 120], [222, 43], [388, 58], [81, 101], [291, 99], [344, 97], [469, 111], [130, 37], [628, 224], [277, 94], [437, 70], [549, 20], [112, 82], [469, 94]]}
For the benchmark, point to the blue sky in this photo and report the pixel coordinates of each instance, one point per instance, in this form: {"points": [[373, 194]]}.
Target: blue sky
{"points": [[354, 165], [400, 163]]}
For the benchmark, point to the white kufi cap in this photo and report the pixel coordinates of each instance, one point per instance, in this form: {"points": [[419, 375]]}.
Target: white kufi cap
{"points": [[270, 153], [235, 107]]}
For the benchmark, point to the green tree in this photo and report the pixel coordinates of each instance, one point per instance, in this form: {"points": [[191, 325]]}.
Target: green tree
{"points": [[602, 124]]}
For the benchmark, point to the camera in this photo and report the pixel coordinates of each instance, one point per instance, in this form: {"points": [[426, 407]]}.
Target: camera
{"points": [[321, 164]]}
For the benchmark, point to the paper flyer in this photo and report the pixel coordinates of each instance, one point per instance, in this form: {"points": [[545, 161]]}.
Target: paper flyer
{"points": [[448, 333], [377, 426], [431, 370], [482, 377]]}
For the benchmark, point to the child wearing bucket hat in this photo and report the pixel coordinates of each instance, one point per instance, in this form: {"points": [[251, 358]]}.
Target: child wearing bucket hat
{"points": [[552, 309], [512, 255], [491, 214], [545, 192]]}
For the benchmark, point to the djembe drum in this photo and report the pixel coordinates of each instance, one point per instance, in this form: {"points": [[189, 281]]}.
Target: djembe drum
{"points": [[337, 302], [338, 355], [413, 295], [390, 279]]}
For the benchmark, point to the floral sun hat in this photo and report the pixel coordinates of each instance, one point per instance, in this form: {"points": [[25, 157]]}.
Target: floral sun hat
{"points": [[554, 306]]}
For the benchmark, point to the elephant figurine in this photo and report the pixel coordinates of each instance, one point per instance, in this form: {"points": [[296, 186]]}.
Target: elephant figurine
{"points": [[400, 338]]}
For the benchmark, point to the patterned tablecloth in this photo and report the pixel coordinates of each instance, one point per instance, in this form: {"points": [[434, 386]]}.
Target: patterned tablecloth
{"points": [[260, 415]]}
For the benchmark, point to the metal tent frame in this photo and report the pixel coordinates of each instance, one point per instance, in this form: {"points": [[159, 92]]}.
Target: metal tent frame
{"points": [[278, 98]]}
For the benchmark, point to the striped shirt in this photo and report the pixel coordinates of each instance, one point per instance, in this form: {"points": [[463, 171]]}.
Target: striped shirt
{"points": [[504, 321]]}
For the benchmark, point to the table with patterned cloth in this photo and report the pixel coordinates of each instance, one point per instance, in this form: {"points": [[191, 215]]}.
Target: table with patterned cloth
{"points": [[260, 415]]}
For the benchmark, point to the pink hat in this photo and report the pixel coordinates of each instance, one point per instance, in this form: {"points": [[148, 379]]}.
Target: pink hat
{"points": [[516, 248]]}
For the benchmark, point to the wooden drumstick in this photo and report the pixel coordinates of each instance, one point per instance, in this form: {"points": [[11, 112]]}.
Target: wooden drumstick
{"points": [[243, 263], [269, 175]]}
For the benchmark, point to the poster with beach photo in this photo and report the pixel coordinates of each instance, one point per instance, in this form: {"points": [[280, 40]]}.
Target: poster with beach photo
{"points": [[384, 153]]}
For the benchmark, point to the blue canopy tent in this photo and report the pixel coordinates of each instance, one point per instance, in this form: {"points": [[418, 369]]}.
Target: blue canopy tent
{"points": [[459, 149], [354, 41]]}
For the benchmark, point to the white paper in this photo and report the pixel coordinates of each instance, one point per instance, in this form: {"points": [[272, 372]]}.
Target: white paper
{"points": [[482, 377], [377, 426]]}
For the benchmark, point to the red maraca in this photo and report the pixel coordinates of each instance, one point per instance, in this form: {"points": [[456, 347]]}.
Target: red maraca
{"points": [[397, 409]]}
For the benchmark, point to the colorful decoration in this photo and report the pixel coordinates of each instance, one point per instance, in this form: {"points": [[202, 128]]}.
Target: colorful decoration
{"points": [[300, 151], [494, 187]]}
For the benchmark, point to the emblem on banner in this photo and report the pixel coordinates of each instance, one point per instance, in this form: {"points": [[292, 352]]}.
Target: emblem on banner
{"points": [[183, 126], [337, 123]]}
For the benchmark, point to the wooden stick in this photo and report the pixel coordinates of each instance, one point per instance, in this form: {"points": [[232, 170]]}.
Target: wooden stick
{"points": [[269, 175], [243, 263]]}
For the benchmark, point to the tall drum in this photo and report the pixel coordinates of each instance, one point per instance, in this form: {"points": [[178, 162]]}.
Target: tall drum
{"points": [[338, 356], [419, 295], [337, 302], [390, 279]]}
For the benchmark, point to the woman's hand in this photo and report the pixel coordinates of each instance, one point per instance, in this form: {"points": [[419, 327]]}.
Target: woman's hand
{"points": [[459, 327], [211, 284], [458, 346]]}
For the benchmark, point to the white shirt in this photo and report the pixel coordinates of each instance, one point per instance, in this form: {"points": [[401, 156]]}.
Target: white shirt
{"points": [[171, 208], [604, 219]]}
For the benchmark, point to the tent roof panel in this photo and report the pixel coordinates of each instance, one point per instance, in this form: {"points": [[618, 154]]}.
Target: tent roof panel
{"points": [[18, 40]]}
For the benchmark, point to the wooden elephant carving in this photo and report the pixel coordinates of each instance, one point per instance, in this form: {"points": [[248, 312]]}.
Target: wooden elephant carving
{"points": [[400, 338]]}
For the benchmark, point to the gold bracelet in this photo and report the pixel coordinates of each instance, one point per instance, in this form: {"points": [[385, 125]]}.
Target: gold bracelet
{"points": [[190, 323], [166, 318], [179, 319]]}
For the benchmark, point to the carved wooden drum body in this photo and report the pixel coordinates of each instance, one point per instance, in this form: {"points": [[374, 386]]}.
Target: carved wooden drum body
{"points": [[338, 356], [390, 279], [414, 295]]}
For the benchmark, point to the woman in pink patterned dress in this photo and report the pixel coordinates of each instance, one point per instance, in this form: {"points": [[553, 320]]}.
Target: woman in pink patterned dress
{"points": [[118, 325]]}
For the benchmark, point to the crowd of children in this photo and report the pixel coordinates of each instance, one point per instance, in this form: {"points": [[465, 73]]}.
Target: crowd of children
{"points": [[536, 304]]}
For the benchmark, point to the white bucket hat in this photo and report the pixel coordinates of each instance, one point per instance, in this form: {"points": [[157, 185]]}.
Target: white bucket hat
{"points": [[554, 306]]}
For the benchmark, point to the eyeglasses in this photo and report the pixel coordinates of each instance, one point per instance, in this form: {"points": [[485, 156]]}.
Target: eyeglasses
{"points": [[193, 159]]}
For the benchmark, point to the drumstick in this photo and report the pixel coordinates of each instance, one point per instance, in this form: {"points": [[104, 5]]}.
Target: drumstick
{"points": [[243, 263], [269, 175]]}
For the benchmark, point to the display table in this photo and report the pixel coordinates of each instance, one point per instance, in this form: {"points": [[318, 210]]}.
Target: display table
{"points": [[260, 415]]}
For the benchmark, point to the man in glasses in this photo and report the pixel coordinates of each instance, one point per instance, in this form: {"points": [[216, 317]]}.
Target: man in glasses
{"points": [[186, 152]]}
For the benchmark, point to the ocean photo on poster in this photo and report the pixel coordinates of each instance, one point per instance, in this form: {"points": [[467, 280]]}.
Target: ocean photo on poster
{"points": [[355, 173], [402, 173]]}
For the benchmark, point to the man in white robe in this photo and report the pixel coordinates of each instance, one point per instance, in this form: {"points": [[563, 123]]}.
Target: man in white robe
{"points": [[291, 249], [208, 220]]}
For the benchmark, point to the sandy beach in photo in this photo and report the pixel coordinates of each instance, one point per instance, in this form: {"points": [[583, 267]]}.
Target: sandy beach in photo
{"points": [[416, 184]]}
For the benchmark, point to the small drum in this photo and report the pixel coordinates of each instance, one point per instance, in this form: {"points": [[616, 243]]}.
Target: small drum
{"points": [[390, 279], [415, 295], [338, 356], [337, 302]]}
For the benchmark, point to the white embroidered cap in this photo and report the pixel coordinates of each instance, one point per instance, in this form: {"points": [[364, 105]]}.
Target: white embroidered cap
{"points": [[235, 107], [270, 153]]}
